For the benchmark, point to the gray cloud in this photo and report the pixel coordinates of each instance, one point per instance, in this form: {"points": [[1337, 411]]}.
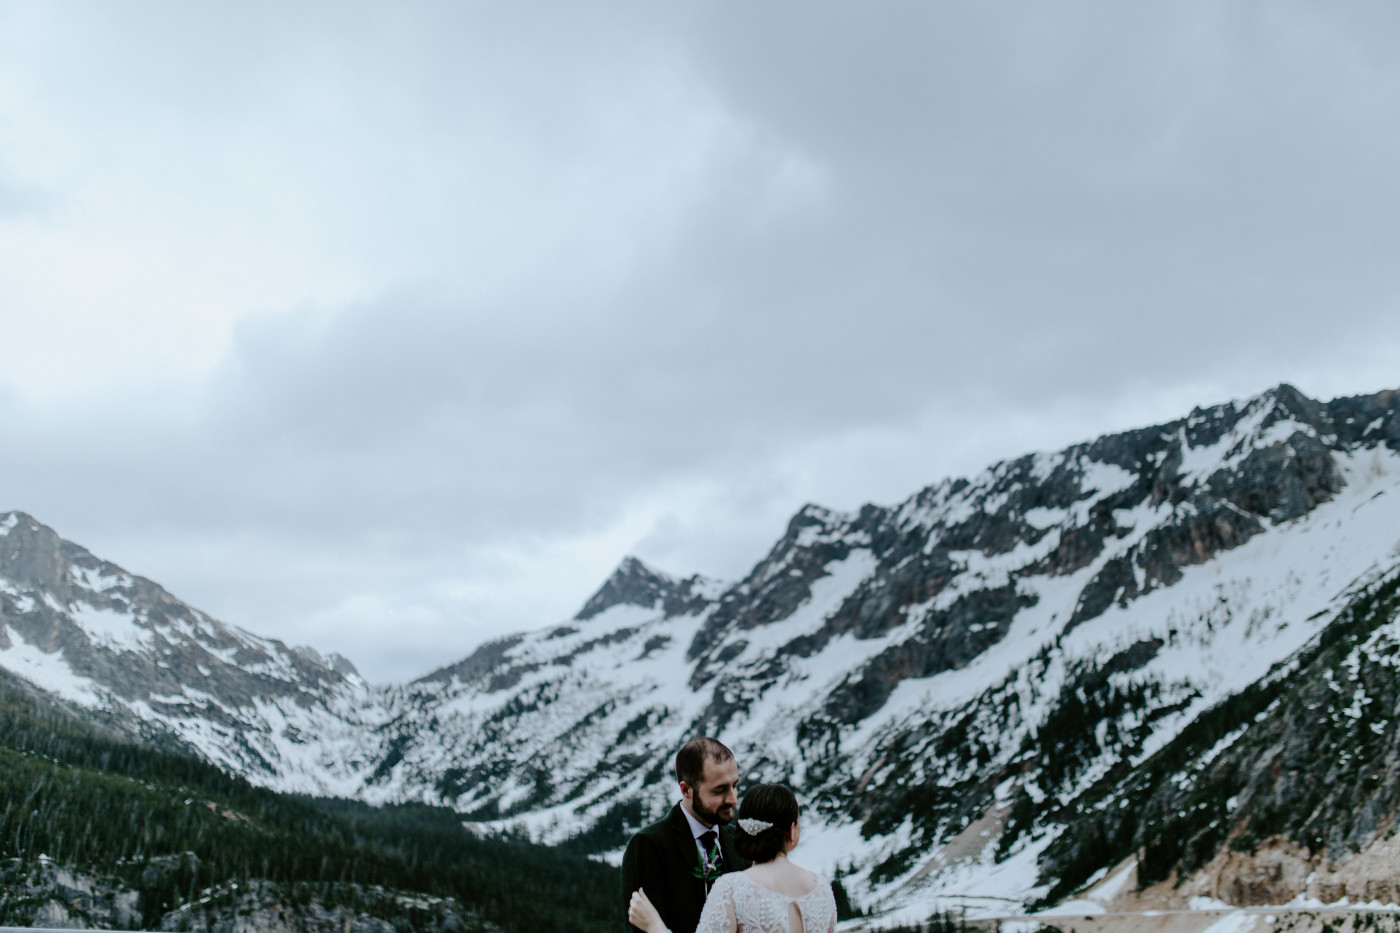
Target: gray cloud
{"points": [[642, 279], [18, 200]]}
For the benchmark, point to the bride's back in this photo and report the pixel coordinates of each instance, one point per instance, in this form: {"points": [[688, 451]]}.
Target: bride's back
{"points": [[783, 876], [740, 903], [791, 881]]}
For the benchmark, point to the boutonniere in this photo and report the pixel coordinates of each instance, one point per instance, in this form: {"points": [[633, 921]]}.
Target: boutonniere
{"points": [[707, 866]]}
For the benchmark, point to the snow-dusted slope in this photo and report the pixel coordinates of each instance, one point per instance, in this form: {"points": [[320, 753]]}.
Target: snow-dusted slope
{"points": [[978, 653], [103, 638], [941, 680]]}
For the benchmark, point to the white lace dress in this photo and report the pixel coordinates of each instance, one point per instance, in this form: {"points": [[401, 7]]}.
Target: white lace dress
{"points": [[738, 904]]}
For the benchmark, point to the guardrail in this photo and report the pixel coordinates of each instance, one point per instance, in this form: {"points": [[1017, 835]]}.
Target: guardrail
{"points": [[1125, 921], [59, 930]]}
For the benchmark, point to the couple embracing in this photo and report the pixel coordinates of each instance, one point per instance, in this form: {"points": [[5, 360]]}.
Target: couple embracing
{"points": [[700, 870]]}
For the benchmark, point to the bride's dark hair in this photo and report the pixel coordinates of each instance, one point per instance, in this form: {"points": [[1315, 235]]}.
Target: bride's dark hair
{"points": [[771, 803]]}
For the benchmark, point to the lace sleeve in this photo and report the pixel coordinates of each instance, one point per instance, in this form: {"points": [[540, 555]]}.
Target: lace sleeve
{"points": [[825, 915], [718, 915]]}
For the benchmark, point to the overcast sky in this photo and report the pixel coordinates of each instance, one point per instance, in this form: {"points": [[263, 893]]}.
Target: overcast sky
{"points": [[389, 328]]}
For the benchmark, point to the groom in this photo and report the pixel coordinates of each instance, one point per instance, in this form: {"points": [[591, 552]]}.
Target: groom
{"points": [[676, 860]]}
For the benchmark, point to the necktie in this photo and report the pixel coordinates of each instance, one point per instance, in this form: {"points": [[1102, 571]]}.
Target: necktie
{"points": [[707, 841]]}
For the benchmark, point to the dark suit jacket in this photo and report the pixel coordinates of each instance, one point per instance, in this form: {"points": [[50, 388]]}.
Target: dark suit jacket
{"points": [[661, 860]]}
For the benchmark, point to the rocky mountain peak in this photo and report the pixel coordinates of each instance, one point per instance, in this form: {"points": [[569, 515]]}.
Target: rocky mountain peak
{"points": [[332, 661], [1290, 402], [633, 583], [31, 555]]}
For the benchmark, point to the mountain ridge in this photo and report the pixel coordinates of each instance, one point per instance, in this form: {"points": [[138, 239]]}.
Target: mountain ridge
{"points": [[976, 655]]}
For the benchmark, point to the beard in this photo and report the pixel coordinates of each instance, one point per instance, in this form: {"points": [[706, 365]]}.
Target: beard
{"points": [[720, 816]]}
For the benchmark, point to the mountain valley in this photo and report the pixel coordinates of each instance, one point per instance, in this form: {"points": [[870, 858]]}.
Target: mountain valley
{"points": [[1169, 651]]}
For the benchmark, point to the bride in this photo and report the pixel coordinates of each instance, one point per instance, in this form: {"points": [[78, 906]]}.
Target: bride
{"points": [[775, 895]]}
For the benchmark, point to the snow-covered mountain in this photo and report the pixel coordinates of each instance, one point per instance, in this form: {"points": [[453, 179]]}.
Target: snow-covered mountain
{"points": [[108, 640], [950, 682]]}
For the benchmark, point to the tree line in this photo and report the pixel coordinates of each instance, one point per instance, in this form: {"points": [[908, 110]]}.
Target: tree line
{"points": [[171, 826]]}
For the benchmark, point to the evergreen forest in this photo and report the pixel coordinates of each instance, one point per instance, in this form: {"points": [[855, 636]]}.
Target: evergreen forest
{"points": [[179, 832]]}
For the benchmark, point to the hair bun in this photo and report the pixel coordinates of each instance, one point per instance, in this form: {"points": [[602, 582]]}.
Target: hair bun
{"points": [[766, 817]]}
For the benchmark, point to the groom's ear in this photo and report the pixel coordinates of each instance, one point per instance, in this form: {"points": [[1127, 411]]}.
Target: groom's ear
{"points": [[686, 790]]}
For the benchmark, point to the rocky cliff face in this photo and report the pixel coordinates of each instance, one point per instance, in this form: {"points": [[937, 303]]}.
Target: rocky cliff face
{"points": [[951, 682], [104, 638], [1288, 789], [976, 656]]}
